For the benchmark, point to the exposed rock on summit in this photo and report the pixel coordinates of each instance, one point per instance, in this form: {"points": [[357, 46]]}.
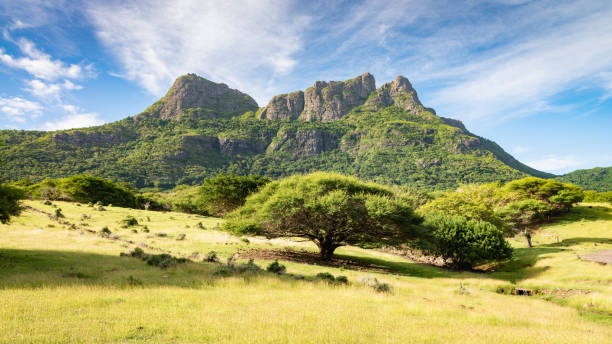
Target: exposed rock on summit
{"points": [[398, 92], [324, 101], [196, 97]]}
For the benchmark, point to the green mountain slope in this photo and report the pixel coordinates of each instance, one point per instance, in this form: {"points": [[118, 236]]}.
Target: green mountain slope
{"points": [[598, 178], [201, 128]]}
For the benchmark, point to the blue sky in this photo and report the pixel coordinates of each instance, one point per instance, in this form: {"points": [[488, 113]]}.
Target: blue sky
{"points": [[534, 76]]}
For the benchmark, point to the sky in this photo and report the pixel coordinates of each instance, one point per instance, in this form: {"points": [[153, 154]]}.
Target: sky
{"points": [[533, 76]]}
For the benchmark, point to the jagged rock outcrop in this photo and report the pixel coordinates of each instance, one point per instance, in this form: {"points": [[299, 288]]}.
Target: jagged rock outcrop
{"points": [[80, 138], [304, 142], [197, 97], [327, 102], [231, 147], [453, 123], [399, 92], [284, 107]]}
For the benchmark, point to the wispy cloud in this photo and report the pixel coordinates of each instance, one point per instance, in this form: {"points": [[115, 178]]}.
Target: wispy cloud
{"points": [[41, 65], [19, 110], [555, 164], [244, 44], [75, 118]]}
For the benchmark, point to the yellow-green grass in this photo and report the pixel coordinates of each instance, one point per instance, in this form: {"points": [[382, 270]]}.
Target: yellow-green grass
{"points": [[63, 285]]}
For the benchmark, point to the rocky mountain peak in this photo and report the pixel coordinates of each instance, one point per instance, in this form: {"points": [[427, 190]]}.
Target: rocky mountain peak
{"points": [[324, 101], [196, 97], [398, 92]]}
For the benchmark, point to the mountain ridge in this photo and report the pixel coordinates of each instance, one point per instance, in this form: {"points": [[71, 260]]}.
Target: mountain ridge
{"points": [[200, 128]]}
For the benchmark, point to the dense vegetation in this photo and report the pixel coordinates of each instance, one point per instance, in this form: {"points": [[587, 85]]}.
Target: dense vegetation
{"points": [[161, 149], [9, 202], [466, 243], [516, 206], [224, 193], [598, 178], [88, 189], [329, 209]]}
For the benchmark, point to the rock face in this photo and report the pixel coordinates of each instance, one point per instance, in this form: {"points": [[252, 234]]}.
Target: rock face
{"points": [[324, 101], [304, 142], [79, 138], [284, 107], [328, 102], [399, 92], [231, 147], [453, 123], [197, 97]]}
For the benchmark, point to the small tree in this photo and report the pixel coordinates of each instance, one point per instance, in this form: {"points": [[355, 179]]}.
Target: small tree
{"points": [[329, 209], [224, 193], [466, 242], [523, 215], [9, 202]]}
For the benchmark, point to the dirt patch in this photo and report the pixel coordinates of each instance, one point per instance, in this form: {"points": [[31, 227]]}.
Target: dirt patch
{"points": [[603, 257], [308, 257]]}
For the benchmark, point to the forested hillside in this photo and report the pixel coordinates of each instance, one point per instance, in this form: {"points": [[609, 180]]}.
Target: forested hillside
{"points": [[201, 128]]}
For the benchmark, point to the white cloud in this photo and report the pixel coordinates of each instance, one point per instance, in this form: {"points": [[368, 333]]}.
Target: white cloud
{"points": [[74, 118], [554, 164], [522, 77], [19, 109], [241, 43], [41, 89], [40, 64]]}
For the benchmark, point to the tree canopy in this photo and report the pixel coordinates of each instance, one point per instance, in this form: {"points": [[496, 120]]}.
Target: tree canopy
{"points": [[226, 192], [9, 202], [329, 209]]}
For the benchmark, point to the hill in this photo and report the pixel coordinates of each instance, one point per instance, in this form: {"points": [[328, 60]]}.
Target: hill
{"points": [[200, 128], [63, 282], [598, 178]]}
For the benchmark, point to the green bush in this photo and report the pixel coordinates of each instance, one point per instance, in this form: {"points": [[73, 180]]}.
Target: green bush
{"points": [[129, 221], [224, 193], [276, 267], [9, 202], [466, 243]]}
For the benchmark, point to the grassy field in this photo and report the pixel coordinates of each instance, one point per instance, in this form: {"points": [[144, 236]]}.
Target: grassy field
{"points": [[67, 284]]}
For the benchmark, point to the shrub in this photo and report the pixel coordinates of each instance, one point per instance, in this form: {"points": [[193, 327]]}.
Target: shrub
{"points": [[249, 267], [211, 257], [181, 237], [373, 283], [163, 260], [466, 243], [47, 202], [276, 267], [162, 235], [342, 280], [200, 225], [129, 221], [58, 213], [224, 193], [105, 231], [326, 276]]}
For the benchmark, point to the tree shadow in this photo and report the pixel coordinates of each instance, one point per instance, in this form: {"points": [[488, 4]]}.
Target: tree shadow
{"points": [[578, 241], [584, 213], [47, 268]]}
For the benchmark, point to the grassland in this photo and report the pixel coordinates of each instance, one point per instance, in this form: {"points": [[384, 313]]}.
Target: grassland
{"points": [[69, 285]]}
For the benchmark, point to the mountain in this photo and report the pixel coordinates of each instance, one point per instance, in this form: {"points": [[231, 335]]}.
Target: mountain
{"points": [[200, 128], [598, 178]]}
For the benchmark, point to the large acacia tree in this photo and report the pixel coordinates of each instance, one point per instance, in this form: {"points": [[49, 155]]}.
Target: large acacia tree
{"points": [[329, 209]]}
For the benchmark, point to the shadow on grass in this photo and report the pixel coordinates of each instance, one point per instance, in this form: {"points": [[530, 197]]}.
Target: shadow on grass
{"points": [[521, 266], [584, 213], [578, 241], [38, 268]]}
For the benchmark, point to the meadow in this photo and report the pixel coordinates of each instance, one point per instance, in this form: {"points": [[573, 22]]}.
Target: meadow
{"points": [[67, 283]]}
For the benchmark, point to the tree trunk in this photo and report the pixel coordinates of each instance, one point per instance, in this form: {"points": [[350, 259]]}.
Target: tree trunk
{"points": [[326, 248], [528, 238]]}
